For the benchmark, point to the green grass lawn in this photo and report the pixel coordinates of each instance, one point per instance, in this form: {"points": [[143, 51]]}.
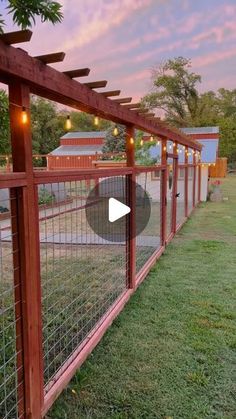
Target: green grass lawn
{"points": [[172, 351]]}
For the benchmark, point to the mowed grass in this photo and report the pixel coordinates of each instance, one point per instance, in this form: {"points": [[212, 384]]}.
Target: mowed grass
{"points": [[172, 352]]}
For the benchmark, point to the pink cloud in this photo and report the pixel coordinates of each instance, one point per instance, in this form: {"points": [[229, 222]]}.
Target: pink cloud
{"points": [[208, 59]]}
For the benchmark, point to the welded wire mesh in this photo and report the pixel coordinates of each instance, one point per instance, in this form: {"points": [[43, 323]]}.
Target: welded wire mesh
{"points": [[148, 241], [11, 370], [180, 214], [82, 274], [190, 189]]}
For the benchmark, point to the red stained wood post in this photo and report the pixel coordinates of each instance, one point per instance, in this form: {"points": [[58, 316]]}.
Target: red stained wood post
{"points": [[194, 178], [26, 230], [163, 192], [186, 182], [131, 248], [199, 180], [174, 189]]}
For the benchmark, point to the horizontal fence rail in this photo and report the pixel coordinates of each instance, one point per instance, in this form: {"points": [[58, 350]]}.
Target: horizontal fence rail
{"points": [[84, 280]]}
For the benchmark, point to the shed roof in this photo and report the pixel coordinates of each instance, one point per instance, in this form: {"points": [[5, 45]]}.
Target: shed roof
{"points": [[200, 130], [69, 150], [86, 134]]}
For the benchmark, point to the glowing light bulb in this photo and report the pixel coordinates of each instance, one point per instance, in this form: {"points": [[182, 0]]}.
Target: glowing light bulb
{"points": [[96, 120], [115, 131], [68, 123], [141, 142], [131, 140], [164, 148], [158, 142], [24, 116], [151, 138]]}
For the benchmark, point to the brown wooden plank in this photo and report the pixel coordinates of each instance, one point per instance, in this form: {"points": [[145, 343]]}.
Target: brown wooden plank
{"points": [[54, 85], [140, 111], [80, 72], [96, 84], [16, 37], [55, 57], [147, 115], [123, 100], [132, 106], [111, 93]]}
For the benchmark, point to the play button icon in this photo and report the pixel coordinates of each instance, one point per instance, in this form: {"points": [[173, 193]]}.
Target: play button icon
{"points": [[117, 210], [109, 210]]}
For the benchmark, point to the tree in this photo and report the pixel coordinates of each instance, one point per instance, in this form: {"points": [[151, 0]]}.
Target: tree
{"points": [[82, 121], [115, 143], [5, 147], [47, 125], [24, 12], [174, 91], [143, 155]]}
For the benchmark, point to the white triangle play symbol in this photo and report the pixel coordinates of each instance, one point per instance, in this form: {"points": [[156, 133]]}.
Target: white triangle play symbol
{"points": [[117, 210]]}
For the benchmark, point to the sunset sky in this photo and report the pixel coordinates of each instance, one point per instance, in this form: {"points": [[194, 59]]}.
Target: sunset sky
{"points": [[121, 40]]}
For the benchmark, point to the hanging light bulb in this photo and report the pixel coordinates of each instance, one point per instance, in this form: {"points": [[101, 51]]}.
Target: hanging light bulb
{"points": [[158, 142], [24, 116], [131, 140], [68, 123], [115, 131], [96, 121], [151, 138], [164, 148], [141, 142]]}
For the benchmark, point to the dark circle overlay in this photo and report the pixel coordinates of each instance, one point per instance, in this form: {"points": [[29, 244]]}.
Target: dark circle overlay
{"points": [[97, 209]]}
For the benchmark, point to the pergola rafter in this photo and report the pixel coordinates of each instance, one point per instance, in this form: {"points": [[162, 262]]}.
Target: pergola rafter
{"points": [[16, 64]]}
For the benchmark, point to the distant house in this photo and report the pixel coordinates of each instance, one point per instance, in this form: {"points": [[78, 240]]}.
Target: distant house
{"points": [[76, 150]]}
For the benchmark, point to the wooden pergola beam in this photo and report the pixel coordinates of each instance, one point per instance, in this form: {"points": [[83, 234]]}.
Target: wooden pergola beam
{"points": [[96, 84], [16, 37], [111, 93], [55, 57], [123, 100], [132, 106], [142, 111], [80, 72], [46, 81], [149, 115]]}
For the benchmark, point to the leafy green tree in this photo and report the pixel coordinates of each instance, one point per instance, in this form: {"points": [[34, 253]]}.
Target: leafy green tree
{"points": [[174, 91], [5, 147], [115, 143], [24, 12], [142, 151], [82, 121], [47, 125]]}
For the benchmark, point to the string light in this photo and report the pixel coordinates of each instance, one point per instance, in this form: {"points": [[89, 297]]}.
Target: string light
{"points": [[151, 138], [158, 142], [141, 142], [131, 140], [96, 121], [24, 116], [68, 123], [115, 131], [164, 148]]}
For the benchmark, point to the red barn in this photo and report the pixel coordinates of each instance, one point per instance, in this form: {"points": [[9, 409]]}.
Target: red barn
{"points": [[76, 150]]}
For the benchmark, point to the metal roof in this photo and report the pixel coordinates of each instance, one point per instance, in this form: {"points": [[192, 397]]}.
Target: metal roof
{"points": [[86, 134], [201, 130], [69, 150]]}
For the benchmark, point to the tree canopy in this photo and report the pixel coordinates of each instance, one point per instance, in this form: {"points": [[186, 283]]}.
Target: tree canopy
{"points": [[115, 143], [175, 93], [24, 12]]}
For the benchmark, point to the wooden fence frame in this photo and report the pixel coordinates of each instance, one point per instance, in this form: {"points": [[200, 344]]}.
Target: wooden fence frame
{"points": [[25, 75]]}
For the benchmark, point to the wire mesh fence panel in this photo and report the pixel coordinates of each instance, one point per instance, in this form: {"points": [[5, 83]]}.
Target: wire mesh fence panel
{"points": [[11, 354], [148, 241], [190, 189], [82, 274], [180, 215]]}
